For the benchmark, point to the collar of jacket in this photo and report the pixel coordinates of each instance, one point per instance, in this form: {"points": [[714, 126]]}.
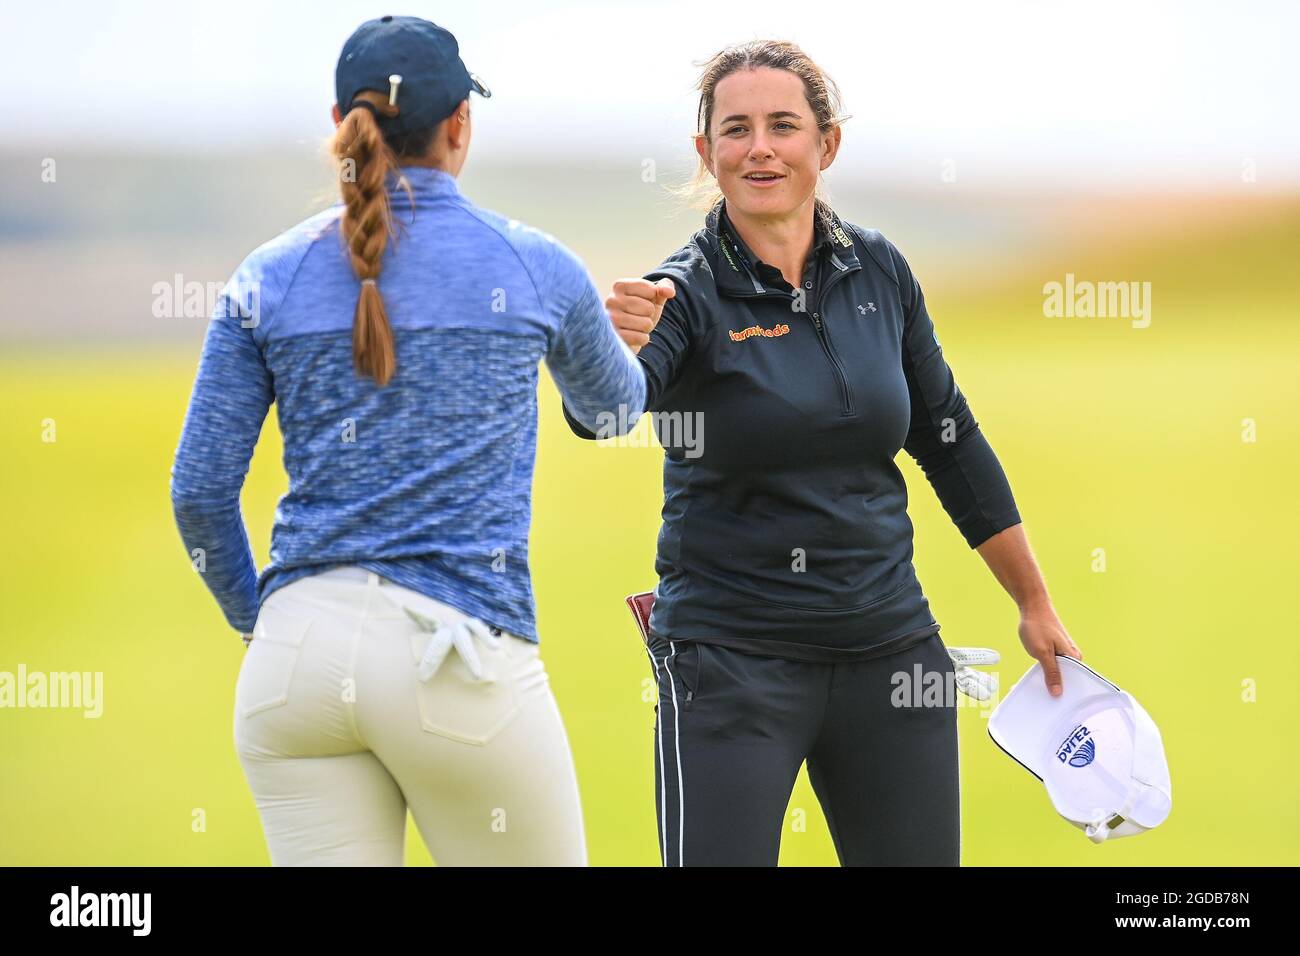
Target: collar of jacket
{"points": [[425, 181], [735, 266]]}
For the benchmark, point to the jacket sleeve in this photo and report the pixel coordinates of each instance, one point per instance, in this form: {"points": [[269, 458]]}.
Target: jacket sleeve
{"points": [[598, 377], [662, 356], [943, 437], [231, 396]]}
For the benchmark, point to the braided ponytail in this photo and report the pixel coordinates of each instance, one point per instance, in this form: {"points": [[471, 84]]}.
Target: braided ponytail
{"points": [[365, 162]]}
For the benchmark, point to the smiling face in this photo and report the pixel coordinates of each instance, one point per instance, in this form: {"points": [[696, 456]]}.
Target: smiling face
{"points": [[763, 145]]}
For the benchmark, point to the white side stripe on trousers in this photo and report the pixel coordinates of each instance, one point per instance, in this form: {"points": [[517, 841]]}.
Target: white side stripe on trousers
{"points": [[663, 797], [677, 753]]}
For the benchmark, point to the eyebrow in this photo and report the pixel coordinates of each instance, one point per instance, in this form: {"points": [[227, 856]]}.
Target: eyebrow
{"points": [[779, 114]]}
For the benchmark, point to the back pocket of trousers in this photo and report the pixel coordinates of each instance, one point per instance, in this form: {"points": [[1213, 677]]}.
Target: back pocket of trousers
{"points": [[456, 705], [270, 661]]}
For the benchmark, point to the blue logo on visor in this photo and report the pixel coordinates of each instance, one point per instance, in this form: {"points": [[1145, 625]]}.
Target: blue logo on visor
{"points": [[1084, 755], [1079, 749]]}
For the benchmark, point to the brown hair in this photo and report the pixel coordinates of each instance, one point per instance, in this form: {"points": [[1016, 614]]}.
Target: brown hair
{"points": [[822, 93], [365, 159]]}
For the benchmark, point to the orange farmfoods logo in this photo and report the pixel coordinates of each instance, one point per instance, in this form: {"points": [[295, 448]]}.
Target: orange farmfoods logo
{"points": [[753, 330]]}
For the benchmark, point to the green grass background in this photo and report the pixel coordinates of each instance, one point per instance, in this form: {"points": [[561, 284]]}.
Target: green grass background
{"points": [[1117, 438]]}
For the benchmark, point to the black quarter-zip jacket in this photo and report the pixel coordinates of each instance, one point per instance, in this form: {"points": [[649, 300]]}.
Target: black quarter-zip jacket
{"points": [[785, 527]]}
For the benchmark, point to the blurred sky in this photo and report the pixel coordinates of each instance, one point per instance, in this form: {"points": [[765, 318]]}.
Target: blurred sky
{"points": [[1131, 94]]}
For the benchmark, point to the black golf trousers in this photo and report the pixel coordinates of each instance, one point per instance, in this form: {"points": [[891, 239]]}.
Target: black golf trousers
{"points": [[732, 730]]}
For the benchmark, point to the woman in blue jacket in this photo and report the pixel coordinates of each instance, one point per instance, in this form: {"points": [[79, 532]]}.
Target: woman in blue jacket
{"points": [[392, 650], [788, 357]]}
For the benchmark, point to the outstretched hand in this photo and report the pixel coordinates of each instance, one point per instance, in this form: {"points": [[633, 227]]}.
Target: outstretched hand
{"points": [[635, 306]]}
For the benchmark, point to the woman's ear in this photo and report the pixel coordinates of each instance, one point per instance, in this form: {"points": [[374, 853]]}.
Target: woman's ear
{"points": [[457, 123], [337, 116], [830, 147], [702, 148]]}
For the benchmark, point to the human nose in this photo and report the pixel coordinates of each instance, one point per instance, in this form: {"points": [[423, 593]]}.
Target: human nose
{"points": [[759, 148]]}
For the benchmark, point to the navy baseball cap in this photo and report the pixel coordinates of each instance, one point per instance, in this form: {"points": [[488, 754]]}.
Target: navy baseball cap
{"points": [[425, 56]]}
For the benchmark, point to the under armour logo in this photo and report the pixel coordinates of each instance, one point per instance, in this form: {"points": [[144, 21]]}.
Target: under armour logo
{"points": [[869, 307]]}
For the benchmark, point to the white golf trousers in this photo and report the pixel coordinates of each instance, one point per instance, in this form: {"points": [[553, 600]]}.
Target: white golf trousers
{"points": [[338, 735]]}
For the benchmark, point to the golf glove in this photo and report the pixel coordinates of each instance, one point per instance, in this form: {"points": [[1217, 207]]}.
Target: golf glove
{"points": [[977, 684], [461, 636]]}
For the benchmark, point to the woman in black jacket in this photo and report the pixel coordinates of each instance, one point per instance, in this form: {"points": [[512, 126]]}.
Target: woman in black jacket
{"points": [[788, 357]]}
